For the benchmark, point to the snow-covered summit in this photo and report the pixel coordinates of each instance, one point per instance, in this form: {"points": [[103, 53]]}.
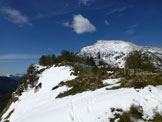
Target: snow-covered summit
{"points": [[114, 52]]}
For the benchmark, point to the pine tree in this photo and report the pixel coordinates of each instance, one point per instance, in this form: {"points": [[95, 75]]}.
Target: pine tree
{"points": [[48, 60], [90, 61], [138, 60], [53, 59], [42, 61], [67, 56]]}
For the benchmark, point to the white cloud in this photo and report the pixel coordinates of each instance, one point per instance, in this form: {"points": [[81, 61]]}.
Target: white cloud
{"points": [[106, 22], [15, 16], [117, 10], [84, 2], [131, 30], [18, 56], [66, 24], [80, 25]]}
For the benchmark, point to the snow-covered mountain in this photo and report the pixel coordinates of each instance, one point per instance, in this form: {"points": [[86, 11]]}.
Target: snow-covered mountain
{"points": [[13, 76], [39, 102], [89, 106], [114, 52]]}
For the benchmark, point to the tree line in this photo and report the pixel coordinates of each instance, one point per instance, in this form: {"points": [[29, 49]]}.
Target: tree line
{"points": [[65, 56]]}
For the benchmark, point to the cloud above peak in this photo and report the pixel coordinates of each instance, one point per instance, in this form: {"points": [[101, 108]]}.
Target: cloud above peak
{"points": [[131, 30], [80, 24], [15, 16]]}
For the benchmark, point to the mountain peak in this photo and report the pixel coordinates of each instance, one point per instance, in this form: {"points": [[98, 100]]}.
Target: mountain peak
{"points": [[114, 52]]}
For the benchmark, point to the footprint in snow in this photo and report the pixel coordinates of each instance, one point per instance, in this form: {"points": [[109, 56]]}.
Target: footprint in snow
{"points": [[71, 116], [90, 105]]}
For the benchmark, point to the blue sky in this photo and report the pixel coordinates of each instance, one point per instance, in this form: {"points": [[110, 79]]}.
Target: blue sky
{"points": [[31, 28]]}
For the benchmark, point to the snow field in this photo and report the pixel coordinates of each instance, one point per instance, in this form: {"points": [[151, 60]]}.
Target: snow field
{"points": [[89, 106]]}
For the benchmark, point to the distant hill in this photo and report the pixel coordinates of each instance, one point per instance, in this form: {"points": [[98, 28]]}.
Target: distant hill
{"points": [[7, 86], [12, 76]]}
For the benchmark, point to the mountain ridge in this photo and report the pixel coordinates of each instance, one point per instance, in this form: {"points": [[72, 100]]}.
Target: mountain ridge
{"points": [[12, 76], [114, 52], [64, 93], [88, 106]]}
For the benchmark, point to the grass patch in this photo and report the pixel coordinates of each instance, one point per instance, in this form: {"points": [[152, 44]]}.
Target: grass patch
{"points": [[138, 81], [80, 85], [84, 82], [135, 113], [113, 88], [93, 80], [141, 81], [6, 121], [13, 99], [157, 117], [9, 114]]}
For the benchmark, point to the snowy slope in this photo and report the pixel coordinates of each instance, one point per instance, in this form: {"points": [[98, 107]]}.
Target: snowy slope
{"points": [[90, 106], [114, 52]]}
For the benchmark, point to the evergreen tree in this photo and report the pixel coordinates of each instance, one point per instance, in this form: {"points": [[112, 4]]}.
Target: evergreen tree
{"points": [[147, 63], [138, 60], [42, 61], [48, 60], [90, 61], [30, 70], [53, 59], [67, 56]]}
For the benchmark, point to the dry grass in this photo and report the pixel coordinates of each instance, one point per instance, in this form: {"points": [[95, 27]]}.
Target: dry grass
{"points": [[9, 114]]}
